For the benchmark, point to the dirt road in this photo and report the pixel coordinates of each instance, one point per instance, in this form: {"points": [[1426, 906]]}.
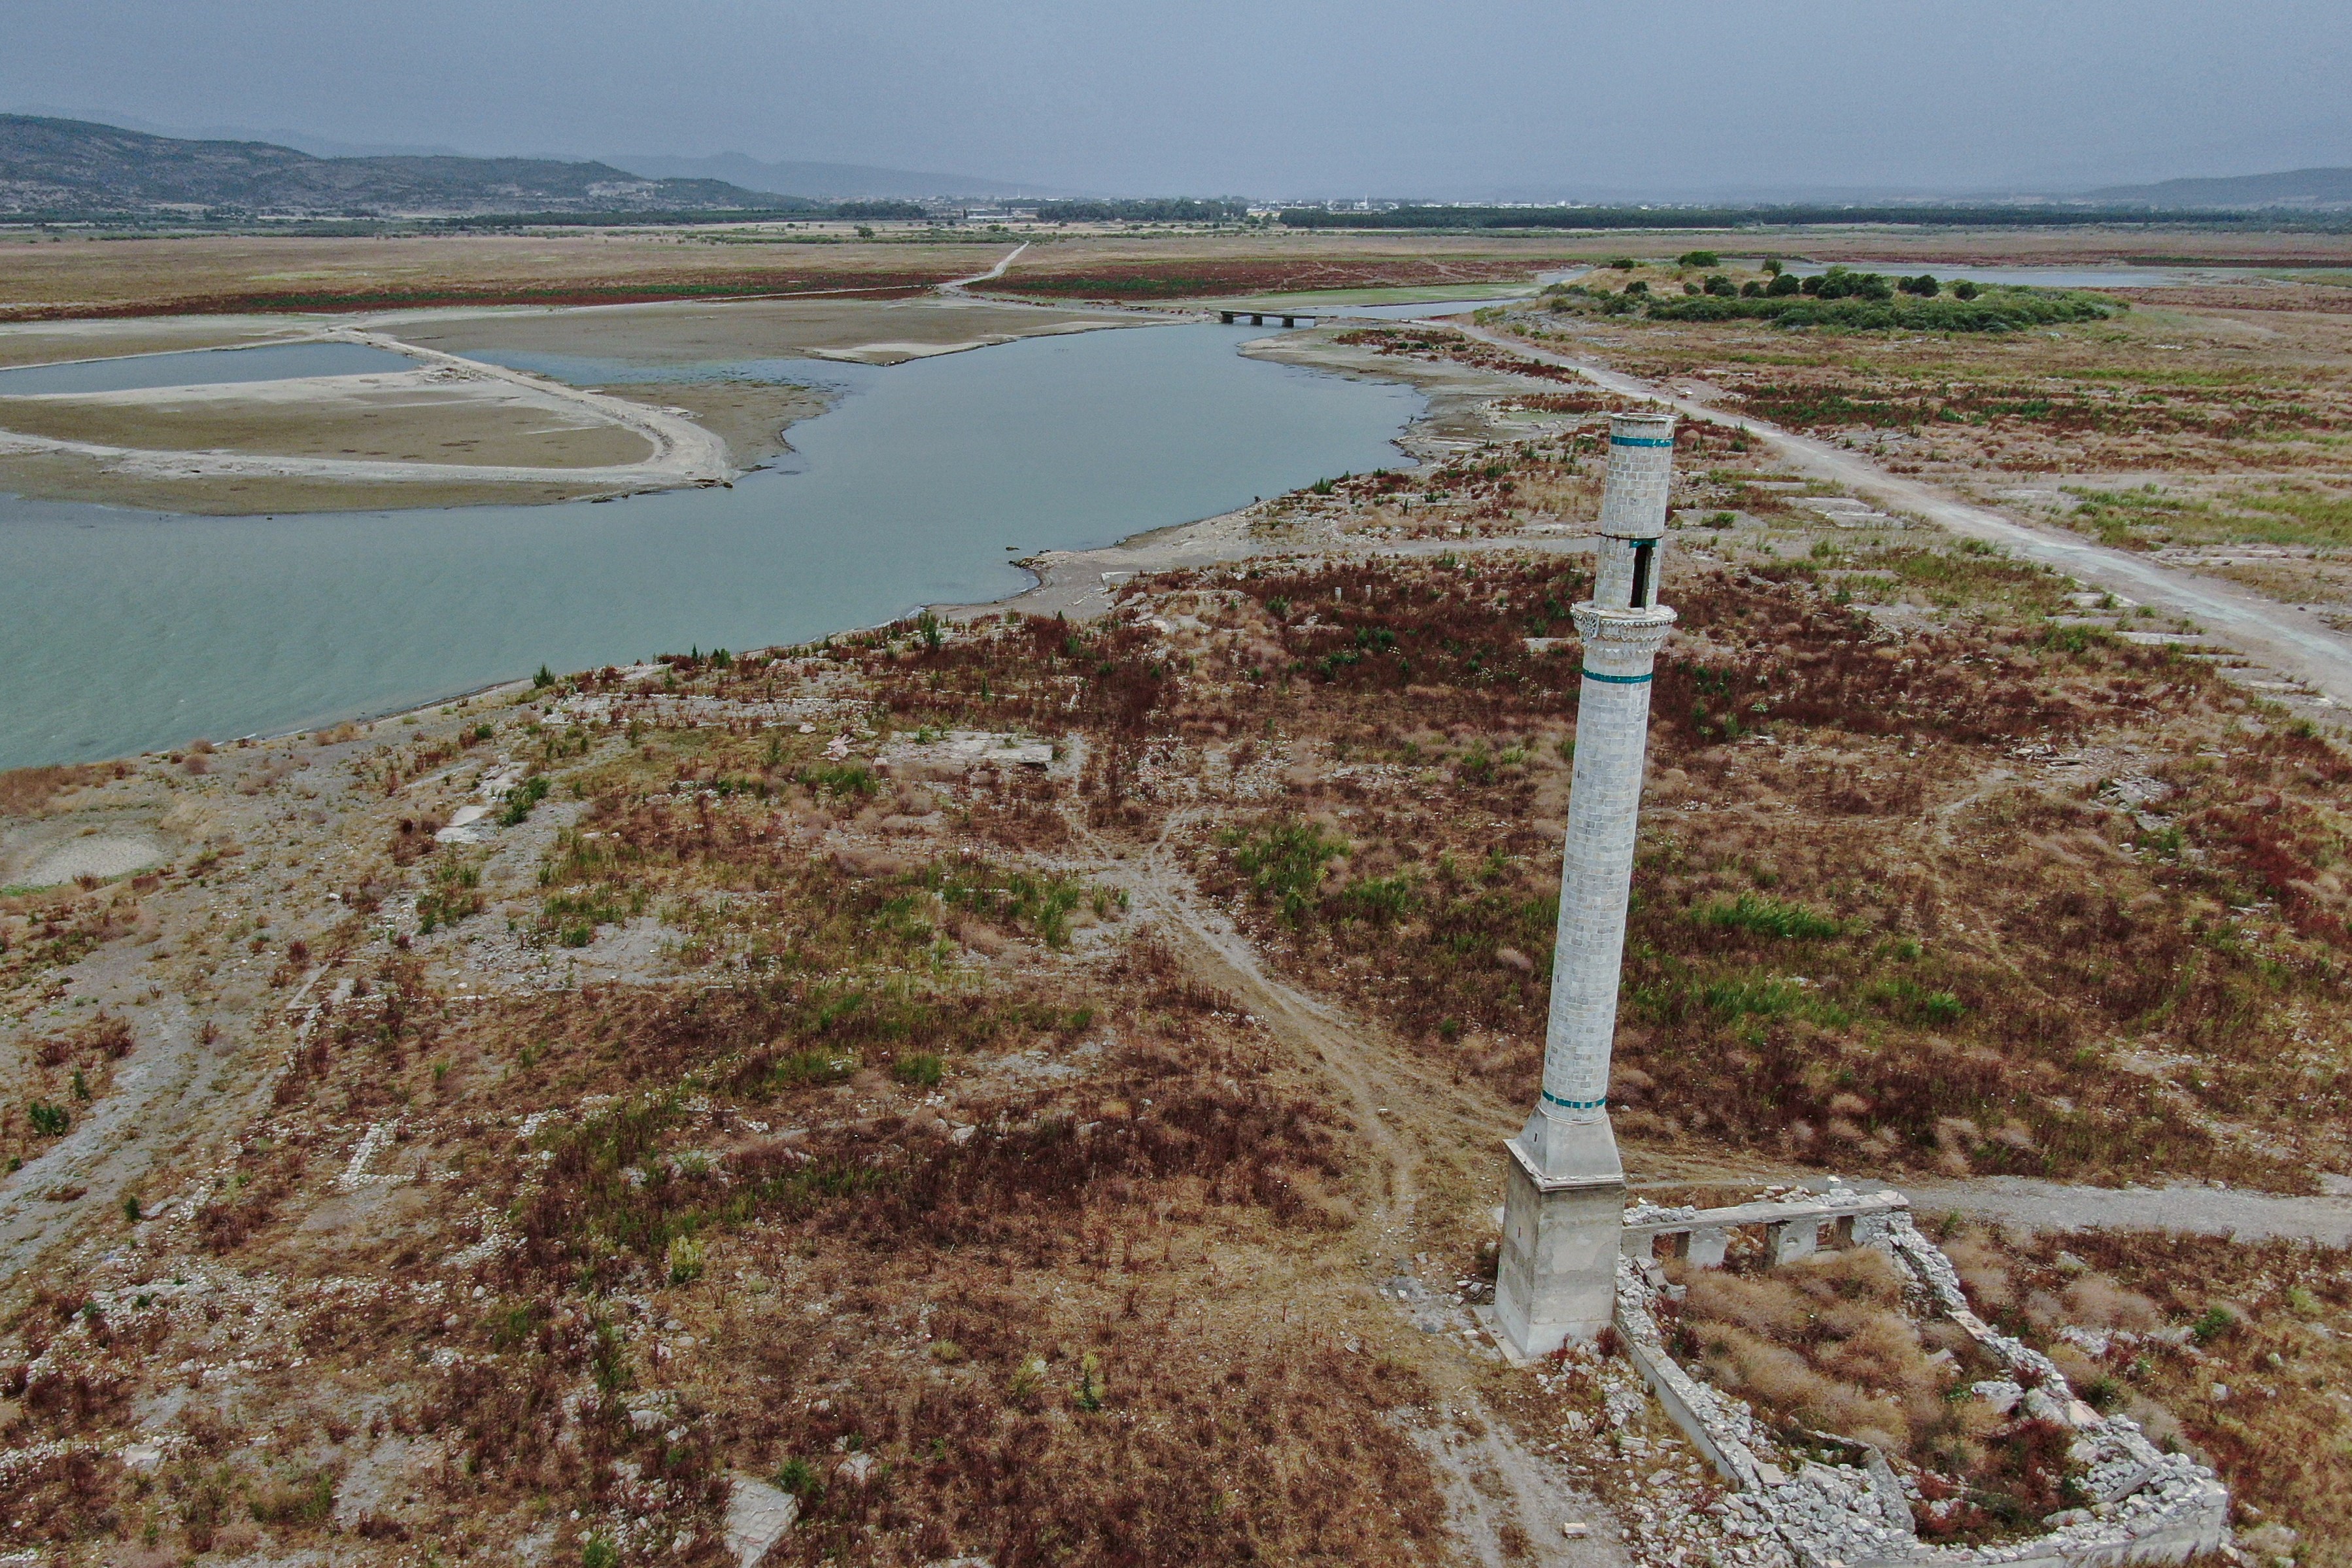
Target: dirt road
{"points": [[1506, 1504], [958, 285], [2280, 635]]}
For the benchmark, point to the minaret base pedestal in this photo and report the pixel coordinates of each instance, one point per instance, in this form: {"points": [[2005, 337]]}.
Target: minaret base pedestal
{"points": [[1557, 1283]]}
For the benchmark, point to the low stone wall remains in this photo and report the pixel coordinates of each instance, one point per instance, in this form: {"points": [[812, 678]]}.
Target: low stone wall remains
{"points": [[2147, 1507]]}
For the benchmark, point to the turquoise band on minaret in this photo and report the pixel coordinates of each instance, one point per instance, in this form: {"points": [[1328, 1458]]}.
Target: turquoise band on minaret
{"points": [[1640, 440], [1619, 679]]}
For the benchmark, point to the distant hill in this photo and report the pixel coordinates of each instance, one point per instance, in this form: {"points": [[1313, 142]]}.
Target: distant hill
{"points": [[77, 168], [2293, 188], [833, 180]]}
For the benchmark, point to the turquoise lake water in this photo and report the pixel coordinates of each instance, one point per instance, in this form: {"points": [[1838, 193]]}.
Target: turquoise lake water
{"points": [[125, 631]]}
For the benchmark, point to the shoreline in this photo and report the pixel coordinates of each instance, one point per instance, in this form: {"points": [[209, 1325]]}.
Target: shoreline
{"points": [[1083, 583]]}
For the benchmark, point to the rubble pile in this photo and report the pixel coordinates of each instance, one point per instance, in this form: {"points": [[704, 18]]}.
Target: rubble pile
{"points": [[2145, 1506]]}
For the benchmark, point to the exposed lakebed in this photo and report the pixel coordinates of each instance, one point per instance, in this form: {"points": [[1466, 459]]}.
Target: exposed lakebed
{"points": [[125, 631]]}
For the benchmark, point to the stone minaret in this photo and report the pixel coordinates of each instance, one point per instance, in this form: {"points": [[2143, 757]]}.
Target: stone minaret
{"points": [[1566, 1190]]}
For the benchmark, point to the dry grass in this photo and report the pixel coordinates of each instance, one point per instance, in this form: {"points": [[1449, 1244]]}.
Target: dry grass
{"points": [[2230, 406], [882, 1129], [2232, 1350], [1824, 1345], [25, 791]]}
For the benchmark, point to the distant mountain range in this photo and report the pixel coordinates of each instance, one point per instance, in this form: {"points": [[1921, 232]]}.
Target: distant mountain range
{"points": [[72, 168], [2293, 188], [832, 182], [56, 166]]}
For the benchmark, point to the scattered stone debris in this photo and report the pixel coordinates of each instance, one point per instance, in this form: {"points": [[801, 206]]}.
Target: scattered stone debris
{"points": [[2147, 1506], [758, 1517]]}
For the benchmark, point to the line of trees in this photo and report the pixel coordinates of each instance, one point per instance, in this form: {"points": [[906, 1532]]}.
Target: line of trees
{"points": [[1751, 217]]}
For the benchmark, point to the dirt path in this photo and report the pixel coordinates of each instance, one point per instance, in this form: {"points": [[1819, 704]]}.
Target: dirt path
{"points": [[2280, 635], [179, 1095], [2027, 1203], [1506, 1504], [2243, 1215], [958, 285]]}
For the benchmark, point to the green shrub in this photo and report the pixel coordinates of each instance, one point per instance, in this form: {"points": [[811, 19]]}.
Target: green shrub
{"points": [[840, 778], [1044, 904], [48, 1120], [802, 1068], [453, 893], [920, 1069], [1908, 1001], [1383, 900], [2075, 640], [1768, 917], [1740, 998], [1698, 259], [800, 1478], [522, 798], [1844, 301], [1283, 860]]}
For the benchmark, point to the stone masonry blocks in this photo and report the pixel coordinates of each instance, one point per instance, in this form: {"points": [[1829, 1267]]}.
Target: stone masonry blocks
{"points": [[1641, 473], [1556, 1279]]}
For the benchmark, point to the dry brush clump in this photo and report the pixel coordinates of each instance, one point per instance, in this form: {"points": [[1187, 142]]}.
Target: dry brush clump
{"points": [[2234, 1350], [2182, 389], [1124, 1453], [1826, 1347], [1849, 937]]}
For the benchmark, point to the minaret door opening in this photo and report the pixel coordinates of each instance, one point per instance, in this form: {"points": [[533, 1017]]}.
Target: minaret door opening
{"points": [[1644, 591]]}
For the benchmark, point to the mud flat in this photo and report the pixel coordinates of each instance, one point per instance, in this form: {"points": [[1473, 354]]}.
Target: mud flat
{"points": [[860, 331], [410, 438], [52, 342], [406, 416]]}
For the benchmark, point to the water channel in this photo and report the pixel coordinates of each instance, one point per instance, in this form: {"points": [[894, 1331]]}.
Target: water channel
{"points": [[125, 631], [200, 367]]}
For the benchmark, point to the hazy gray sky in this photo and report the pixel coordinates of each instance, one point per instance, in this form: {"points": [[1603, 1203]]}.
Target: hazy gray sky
{"points": [[1259, 97]]}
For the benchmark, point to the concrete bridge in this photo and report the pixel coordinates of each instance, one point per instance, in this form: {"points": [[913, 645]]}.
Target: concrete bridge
{"points": [[1260, 318]]}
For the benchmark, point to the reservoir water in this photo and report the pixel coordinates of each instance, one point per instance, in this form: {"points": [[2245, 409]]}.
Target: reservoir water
{"points": [[123, 631], [202, 367]]}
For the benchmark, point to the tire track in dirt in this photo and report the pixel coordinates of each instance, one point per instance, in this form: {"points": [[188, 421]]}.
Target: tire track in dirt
{"points": [[179, 1093], [1506, 1505]]}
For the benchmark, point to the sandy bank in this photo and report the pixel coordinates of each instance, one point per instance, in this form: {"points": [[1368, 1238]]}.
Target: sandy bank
{"points": [[866, 331]]}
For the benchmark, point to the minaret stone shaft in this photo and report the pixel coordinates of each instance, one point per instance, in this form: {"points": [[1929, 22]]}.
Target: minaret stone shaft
{"points": [[1566, 1189]]}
